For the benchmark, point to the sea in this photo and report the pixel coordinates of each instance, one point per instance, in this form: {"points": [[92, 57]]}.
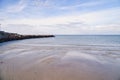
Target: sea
{"points": [[63, 57], [76, 40]]}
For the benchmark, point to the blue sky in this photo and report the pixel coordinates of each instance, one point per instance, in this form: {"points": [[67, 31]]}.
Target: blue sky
{"points": [[60, 16]]}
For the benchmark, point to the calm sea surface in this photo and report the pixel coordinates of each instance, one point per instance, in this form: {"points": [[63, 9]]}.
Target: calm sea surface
{"points": [[106, 40]]}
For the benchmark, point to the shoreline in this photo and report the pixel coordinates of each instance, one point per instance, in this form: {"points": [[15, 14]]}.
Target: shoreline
{"points": [[5, 36]]}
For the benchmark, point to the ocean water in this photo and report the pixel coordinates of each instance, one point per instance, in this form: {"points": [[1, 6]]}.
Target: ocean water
{"points": [[105, 40], [73, 57]]}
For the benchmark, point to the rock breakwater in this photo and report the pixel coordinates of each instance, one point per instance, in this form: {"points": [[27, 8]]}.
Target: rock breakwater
{"points": [[5, 36]]}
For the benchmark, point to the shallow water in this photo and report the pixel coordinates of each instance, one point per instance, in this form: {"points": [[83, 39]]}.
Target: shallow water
{"points": [[59, 59]]}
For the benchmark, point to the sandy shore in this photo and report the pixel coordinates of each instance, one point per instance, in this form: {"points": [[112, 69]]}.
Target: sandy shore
{"points": [[26, 62]]}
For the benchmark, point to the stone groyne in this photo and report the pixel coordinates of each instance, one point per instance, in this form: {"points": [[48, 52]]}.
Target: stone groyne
{"points": [[5, 36]]}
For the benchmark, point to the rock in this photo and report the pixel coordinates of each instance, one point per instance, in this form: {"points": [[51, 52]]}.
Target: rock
{"points": [[5, 36]]}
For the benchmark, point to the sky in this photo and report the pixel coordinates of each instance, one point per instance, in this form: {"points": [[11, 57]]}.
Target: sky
{"points": [[69, 17]]}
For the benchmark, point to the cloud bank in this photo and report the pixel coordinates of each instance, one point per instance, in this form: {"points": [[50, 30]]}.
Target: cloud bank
{"points": [[63, 17]]}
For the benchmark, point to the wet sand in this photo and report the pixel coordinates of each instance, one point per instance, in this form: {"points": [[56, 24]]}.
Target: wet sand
{"points": [[58, 62]]}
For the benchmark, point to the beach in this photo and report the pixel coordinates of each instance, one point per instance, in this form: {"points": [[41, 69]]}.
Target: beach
{"points": [[23, 60], [59, 39]]}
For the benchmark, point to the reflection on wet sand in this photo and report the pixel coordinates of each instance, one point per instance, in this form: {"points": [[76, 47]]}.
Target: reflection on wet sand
{"points": [[57, 63]]}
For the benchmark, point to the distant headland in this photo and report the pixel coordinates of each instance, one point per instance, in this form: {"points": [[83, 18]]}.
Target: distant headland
{"points": [[6, 36]]}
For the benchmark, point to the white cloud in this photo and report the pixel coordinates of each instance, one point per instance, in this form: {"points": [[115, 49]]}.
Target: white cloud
{"points": [[17, 7], [108, 27], [88, 4], [91, 18], [105, 21], [43, 3], [53, 4]]}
